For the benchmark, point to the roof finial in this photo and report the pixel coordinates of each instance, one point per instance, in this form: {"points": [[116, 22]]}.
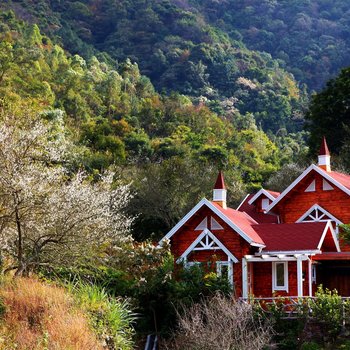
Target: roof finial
{"points": [[324, 151], [324, 157], [219, 192], [220, 183]]}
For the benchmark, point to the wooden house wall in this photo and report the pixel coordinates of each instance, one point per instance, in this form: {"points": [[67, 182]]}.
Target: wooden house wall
{"points": [[262, 281], [231, 239], [298, 202]]}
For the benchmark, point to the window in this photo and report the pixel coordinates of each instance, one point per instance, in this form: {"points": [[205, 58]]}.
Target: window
{"points": [[265, 203], [280, 276], [313, 273], [225, 269], [311, 187]]}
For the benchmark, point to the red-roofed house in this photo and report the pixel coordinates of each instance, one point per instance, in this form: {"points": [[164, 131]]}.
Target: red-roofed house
{"points": [[273, 243]]}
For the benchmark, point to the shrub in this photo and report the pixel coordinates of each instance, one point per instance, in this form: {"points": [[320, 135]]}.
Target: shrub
{"points": [[327, 309], [220, 323], [111, 318]]}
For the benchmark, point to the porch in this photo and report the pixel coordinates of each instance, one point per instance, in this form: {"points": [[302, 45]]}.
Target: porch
{"points": [[333, 271]]}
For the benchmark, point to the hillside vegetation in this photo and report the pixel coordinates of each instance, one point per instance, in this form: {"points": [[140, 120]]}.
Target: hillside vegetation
{"points": [[179, 51], [39, 316]]}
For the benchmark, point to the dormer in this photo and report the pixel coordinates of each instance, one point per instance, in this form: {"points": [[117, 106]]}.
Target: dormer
{"points": [[262, 199]]}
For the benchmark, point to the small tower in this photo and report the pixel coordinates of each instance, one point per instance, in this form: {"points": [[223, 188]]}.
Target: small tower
{"points": [[324, 157], [219, 192]]}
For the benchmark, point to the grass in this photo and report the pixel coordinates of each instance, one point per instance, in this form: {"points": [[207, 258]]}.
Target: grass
{"points": [[39, 316], [111, 317]]}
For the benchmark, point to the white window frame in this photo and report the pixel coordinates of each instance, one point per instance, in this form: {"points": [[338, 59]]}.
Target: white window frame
{"points": [[275, 287], [313, 273], [229, 264]]}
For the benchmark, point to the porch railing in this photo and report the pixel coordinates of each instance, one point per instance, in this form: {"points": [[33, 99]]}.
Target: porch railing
{"points": [[293, 307]]}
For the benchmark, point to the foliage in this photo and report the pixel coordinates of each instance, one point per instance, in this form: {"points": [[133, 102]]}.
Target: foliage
{"points": [[179, 50], [307, 37], [41, 316], [146, 275], [329, 116], [280, 180], [111, 318], [345, 232], [329, 310], [221, 323], [47, 217]]}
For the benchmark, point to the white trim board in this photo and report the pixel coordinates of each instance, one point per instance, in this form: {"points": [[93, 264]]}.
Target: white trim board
{"points": [[336, 242], [203, 202], [301, 176], [198, 239], [243, 201], [259, 193]]}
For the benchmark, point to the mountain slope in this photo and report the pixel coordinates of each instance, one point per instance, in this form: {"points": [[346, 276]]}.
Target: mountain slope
{"points": [[178, 50]]}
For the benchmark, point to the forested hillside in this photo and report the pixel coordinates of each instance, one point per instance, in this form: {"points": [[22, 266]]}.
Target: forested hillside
{"points": [[179, 51], [310, 38]]}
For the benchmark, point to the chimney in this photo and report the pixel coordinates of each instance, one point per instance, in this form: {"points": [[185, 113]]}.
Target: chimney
{"points": [[324, 157], [219, 192]]}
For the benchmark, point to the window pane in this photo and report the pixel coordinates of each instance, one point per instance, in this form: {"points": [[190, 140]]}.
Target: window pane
{"points": [[224, 271], [279, 275]]}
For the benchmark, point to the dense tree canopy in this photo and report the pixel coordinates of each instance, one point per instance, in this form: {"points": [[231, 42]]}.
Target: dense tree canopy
{"points": [[329, 115]]}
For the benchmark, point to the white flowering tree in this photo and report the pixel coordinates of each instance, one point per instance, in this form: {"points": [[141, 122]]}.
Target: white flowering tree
{"points": [[46, 216]]}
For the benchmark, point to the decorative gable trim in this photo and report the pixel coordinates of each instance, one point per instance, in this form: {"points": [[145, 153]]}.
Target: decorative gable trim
{"points": [[311, 187], [302, 176], [199, 239], [326, 186], [258, 194], [203, 202], [329, 226], [324, 211]]}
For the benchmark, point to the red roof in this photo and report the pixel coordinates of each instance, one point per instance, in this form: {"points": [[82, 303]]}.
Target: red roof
{"points": [[344, 179], [243, 221], [220, 183], [332, 256], [273, 193], [261, 218], [291, 237], [324, 151]]}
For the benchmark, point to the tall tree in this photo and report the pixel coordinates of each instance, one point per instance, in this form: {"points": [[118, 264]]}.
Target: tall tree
{"points": [[329, 115], [47, 217]]}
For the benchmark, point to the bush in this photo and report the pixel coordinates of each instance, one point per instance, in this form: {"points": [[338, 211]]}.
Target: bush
{"points": [[310, 346], [220, 323], [111, 318]]}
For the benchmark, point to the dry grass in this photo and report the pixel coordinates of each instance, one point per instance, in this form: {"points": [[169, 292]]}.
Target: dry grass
{"points": [[39, 316]]}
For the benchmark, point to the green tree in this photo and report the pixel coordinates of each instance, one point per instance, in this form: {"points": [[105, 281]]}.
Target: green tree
{"points": [[329, 115]]}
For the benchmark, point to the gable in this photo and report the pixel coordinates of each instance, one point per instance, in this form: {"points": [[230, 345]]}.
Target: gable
{"points": [[207, 241], [239, 222], [340, 181], [298, 201], [184, 237]]}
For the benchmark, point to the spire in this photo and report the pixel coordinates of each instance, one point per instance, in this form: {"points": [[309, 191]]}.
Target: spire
{"points": [[220, 183], [219, 192], [324, 151], [324, 157]]}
